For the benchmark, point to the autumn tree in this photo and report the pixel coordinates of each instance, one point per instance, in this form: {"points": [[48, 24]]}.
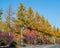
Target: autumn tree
{"points": [[20, 18], [0, 19], [9, 18], [29, 18]]}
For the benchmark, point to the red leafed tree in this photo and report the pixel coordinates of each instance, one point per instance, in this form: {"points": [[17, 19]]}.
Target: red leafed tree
{"points": [[30, 35]]}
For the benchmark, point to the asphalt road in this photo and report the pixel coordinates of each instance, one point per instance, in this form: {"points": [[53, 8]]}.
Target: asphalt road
{"points": [[42, 46]]}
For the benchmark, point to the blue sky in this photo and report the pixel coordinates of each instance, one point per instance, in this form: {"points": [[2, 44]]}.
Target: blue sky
{"points": [[50, 9]]}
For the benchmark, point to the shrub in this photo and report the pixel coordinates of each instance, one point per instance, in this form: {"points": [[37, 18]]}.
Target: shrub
{"points": [[58, 41], [5, 38], [46, 41], [13, 44]]}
